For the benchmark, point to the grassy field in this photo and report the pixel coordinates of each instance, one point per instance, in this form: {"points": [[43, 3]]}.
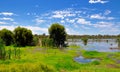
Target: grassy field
{"points": [[44, 59]]}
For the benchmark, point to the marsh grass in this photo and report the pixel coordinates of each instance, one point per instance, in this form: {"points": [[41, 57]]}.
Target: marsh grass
{"points": [[41, 59]]}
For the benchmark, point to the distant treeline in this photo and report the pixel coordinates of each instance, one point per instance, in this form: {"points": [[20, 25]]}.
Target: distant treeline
{"points": [[85, 36]]}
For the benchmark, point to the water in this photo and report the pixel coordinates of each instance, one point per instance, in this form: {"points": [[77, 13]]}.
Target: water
{"points": [[81, 59], [102, 45]]}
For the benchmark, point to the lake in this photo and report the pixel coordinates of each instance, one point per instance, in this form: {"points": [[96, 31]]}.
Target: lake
{"points": [[101, 45]]}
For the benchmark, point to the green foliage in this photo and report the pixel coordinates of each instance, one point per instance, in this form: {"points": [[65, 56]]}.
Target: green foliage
{"points": [[27, 67], [35, 41], [7, 36], [58, 34], [92, 54], [85, 40], [47, 42], [23, 36], [34, 59], [96, 62], [74, 46], [2, 50]]}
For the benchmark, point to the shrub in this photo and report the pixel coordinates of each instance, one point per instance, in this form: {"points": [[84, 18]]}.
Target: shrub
{"points": [[2, 50], [22, 36]]}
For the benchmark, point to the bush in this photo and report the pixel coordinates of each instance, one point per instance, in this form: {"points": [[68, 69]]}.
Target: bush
{"points": [[7, 36], [96, 62], [85, 40], [23, 36], [2, 50], [47, 42]]}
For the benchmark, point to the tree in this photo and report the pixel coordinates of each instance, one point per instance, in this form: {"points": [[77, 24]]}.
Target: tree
{"points": [[6, 36], [58, 34], [23, 36]]}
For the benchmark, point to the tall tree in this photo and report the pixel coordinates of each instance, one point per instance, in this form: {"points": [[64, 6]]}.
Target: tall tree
{"points": [[23, 36], [6, 36], [58, 34]]}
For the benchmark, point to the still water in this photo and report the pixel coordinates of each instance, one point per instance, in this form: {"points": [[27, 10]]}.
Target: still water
{"points": [[101, 45]]}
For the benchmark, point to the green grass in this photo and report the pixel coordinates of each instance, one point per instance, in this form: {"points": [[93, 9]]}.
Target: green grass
{"points": [[42, 59]]}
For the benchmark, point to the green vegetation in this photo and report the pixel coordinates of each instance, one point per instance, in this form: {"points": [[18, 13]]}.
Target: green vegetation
{"points": [[2, 49], [22, 36], [85, 40], [48, 57], [39, 59], [57, 34], [7, 36]]}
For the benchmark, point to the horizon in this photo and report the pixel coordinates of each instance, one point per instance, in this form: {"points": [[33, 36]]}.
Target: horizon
{"points": [[79, 17]]}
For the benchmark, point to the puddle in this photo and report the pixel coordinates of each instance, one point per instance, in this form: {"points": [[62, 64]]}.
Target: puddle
{"points": [[81, 59]]}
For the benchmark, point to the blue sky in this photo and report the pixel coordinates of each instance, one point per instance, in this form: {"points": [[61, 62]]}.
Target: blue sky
{"points": [[89, 17]]}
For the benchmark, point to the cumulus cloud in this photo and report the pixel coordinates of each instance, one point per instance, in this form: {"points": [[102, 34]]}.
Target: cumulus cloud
{"points": [[98, 16], [98, 1], [70, 20], [71, 31], [103, 24], [85, 27], [62, 14], [7, 13], [8, 27], [34, 29], [5, 18], [83, 21], [2, 22], [107, 12], [37, 20]]}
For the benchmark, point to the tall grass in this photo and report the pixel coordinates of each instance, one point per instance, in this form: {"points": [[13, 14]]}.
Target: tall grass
{"points": [[2, 50], [37, 59]]}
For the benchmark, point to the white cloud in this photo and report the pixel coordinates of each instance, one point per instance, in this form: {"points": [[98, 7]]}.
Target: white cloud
{"points": [[84, 27], [83, 21], [14, 22], [110, 18], [2, 22], [58, 16], [110, 30], [37, 20], [71, 31], [62, 21], [7, 13], [98, 16], [107, 12], [5, 18], [8, 27], [70, 20], [62, 14], [34, 29], [37, 30], [28, 13], [103, 24], [98, 1]]}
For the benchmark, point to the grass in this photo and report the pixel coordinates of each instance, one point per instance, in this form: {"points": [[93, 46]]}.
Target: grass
{"points": [[42, 59]]}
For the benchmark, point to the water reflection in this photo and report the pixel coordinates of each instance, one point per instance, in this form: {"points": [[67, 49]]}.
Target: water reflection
{"points": [[81, 59], [119, 44], [101, 45]]}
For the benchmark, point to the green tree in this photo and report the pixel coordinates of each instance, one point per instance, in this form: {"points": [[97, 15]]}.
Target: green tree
{"points": [[6, 36], [23, 36], [58, 34]]}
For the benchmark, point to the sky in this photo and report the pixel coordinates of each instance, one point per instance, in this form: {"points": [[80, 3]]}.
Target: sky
{"points": [[79, 17]]}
